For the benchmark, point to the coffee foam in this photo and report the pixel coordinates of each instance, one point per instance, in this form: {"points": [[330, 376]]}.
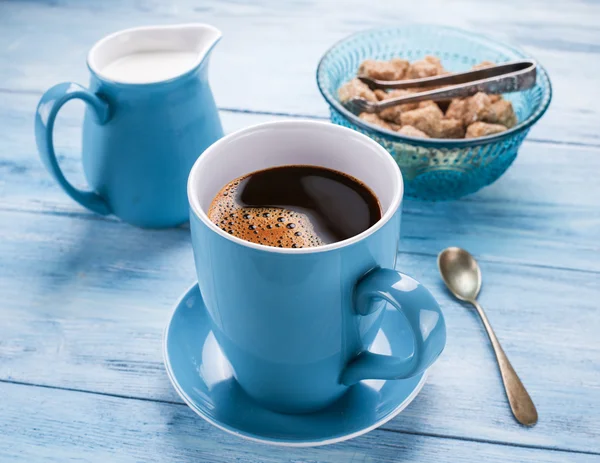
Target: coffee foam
{"points": [[269, 226]]}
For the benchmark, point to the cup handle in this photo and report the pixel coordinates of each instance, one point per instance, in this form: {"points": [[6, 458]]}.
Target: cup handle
{"points": [[46, 113], [423, 314]]}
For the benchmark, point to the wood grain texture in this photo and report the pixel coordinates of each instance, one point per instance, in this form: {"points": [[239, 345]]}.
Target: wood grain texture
{"points": [[537, 213], [259, 65], [90, 314], [45, 425], [84, 299]]}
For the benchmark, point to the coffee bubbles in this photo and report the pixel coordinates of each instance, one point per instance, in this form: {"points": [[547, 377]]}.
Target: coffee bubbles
{"points": [[294, 207]]}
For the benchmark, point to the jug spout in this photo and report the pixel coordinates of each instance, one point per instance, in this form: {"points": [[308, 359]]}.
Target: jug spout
{"points": [[199, 37], [152, 53]]}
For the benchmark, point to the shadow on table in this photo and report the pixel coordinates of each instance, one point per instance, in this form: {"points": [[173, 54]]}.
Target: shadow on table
{"points": [[191, 434], [111, 253]]}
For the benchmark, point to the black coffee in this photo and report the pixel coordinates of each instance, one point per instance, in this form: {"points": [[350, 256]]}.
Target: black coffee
{"points": [[295, 207]]}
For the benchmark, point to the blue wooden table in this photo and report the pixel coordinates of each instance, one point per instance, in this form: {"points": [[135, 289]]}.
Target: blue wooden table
{"points": [[84, 299]]}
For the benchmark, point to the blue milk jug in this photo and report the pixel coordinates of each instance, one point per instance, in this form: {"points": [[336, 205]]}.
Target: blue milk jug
{"points": [[150, 114]]}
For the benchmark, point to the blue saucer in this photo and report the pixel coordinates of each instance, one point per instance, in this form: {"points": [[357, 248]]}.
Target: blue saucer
{"points": [[203, 378]]}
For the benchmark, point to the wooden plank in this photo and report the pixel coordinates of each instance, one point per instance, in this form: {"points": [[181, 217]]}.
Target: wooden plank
{"points": [[537, 213], [46, 42], [46, 425], [85, 303]]}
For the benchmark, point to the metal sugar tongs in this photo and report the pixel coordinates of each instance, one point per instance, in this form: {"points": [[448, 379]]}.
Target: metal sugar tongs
{"points": [[503, 78]]}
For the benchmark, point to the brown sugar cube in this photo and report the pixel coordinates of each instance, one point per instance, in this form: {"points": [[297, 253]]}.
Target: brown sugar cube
{"points": [[421, 69], [410, 131], [380, 94], [482, 129], [436, 62], [483, 65], [383, 70], [355, 88], [401, 66], [427, 67], [477, 108], [393, 114], [424, 104], [449, 128], [425, 119], [457, 108], [502, 112], [375, 120]]}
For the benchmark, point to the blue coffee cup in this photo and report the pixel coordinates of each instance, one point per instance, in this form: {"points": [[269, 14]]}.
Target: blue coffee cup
{"points": [[296, 324]]}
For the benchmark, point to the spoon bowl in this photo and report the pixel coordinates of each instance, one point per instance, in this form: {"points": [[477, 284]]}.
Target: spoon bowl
{"points": [[460, 272]]}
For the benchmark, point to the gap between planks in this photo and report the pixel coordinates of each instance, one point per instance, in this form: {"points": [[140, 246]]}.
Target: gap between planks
{"points": [[313, 117], [383, 428], [91, 216]]}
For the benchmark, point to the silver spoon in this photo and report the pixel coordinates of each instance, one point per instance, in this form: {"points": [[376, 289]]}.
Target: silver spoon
{"points": [[462, 276]]}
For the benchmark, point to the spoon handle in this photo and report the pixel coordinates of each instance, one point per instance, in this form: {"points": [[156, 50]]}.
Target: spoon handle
{"points": [[520, 403]]}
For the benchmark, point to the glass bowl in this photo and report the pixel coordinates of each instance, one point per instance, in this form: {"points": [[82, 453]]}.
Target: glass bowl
{"points": [[435, 169]]}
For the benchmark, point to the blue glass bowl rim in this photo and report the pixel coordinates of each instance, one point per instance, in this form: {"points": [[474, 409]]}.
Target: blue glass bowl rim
{"points": [[438, 142]]}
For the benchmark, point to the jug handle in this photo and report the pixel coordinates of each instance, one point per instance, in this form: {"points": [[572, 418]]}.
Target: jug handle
{"points": [[422, 313], [45, 115]]}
